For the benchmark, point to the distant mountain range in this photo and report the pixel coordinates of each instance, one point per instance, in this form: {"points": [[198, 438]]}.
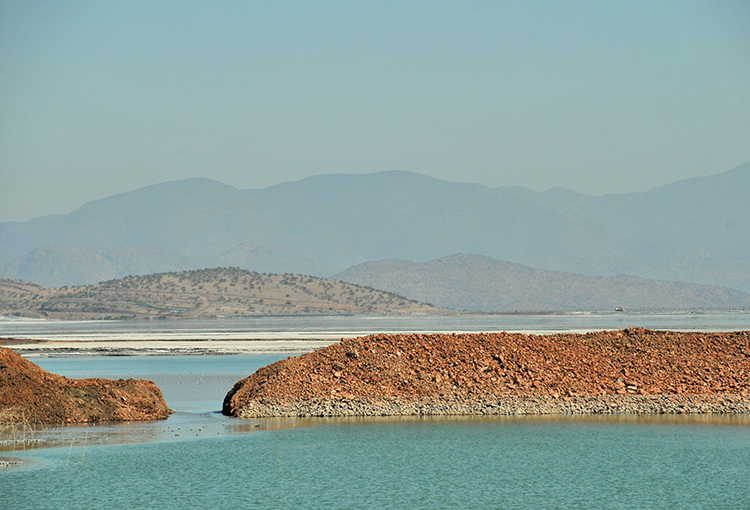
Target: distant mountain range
{"points": [[692, 231], [479, 283]]}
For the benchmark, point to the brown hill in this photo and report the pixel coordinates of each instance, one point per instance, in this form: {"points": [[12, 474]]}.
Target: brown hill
{"points": [[29, 393], [488, 373], [201, 293], [476, 282]]}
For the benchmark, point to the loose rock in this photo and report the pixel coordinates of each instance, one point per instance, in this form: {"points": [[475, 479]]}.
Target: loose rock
{"points": [[633, 371]]}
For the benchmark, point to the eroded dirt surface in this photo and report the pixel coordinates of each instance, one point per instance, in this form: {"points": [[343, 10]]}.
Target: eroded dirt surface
{"points": [[30, 394], [628, 362]]}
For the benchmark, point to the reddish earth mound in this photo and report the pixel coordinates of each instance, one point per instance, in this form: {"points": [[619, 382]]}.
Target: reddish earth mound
{"points": [[29, 393], [383, 369]]}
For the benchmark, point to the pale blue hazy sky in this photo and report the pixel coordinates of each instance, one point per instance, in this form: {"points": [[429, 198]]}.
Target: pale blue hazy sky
{"points": [[100, 97]]}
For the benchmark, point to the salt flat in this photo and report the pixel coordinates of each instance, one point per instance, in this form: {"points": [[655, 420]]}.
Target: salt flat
{"points": [[140, 347]]}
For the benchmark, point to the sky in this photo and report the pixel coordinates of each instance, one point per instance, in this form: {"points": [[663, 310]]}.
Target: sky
{"points": [[104, 97]]}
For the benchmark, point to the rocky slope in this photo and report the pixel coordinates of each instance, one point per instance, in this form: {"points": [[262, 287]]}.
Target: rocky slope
{"points": [[31, 394], [628, 371]]}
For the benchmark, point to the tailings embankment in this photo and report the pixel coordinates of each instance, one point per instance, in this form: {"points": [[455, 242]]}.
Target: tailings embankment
{"points": [[632, 371]]}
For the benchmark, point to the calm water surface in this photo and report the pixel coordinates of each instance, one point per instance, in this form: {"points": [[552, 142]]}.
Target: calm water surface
{"points": [[431, 463], [201, 459]]}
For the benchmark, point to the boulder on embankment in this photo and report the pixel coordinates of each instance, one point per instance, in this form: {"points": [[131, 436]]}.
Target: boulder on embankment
{"points": [[30, 394], [633, 370]]}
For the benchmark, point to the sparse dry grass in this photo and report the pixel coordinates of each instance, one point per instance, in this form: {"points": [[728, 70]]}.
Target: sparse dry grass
{"points": [[16, 426], [203, 293]]}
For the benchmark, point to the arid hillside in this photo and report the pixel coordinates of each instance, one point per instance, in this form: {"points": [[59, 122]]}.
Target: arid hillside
{"points": [[202, 293]]}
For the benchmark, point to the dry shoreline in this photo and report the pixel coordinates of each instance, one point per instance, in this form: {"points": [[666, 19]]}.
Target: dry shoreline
{"points": [[501, 406]]}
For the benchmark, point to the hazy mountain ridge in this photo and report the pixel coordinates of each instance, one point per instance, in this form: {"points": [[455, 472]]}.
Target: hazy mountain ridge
{"points": [[201, 293], [56, 266], [476, 282], [696, 230], [269, 258]]}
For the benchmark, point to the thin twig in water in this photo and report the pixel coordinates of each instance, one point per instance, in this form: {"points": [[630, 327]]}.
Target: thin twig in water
{"points": [[69, 450], [84, 447]]}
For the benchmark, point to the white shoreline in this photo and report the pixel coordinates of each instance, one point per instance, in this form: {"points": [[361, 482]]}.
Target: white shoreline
{"points": [[280, 335], [58, 348]]}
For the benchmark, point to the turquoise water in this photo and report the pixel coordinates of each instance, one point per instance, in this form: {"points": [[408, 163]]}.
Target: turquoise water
{"points": [[201, 459], [431, 463], [192, 384]]}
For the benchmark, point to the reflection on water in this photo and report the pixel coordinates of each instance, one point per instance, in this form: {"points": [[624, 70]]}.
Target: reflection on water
{"points": [[456, 462], [179, 427], [643, 419], [184, 426]]}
